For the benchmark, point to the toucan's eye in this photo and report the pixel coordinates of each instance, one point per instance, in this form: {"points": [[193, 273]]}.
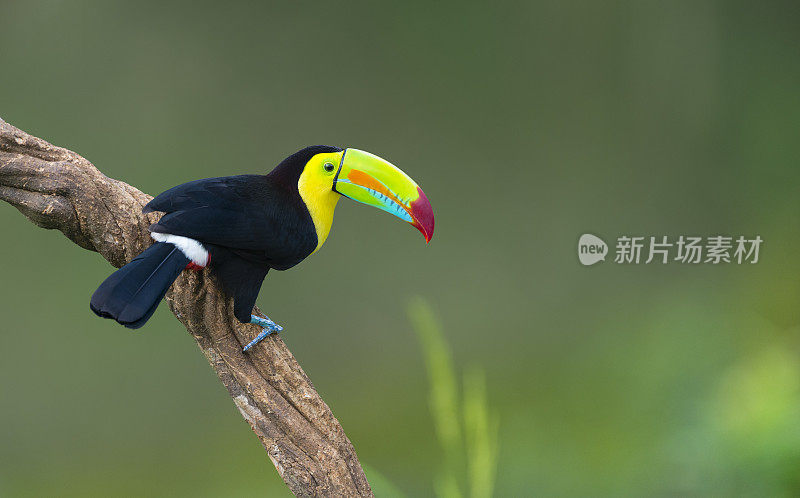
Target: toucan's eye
{"points": [[328, 167]]}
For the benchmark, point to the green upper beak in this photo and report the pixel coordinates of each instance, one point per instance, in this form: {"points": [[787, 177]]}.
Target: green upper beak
{"points": [[367, 178]]}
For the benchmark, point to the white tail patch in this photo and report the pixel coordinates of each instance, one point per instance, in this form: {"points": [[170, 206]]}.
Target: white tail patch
{"points": [[193, 249]]}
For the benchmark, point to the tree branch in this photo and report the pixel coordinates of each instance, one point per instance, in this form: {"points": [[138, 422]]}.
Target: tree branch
{"points": [[57, 188]]}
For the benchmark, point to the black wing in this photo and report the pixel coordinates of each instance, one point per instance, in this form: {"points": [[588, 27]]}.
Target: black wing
{"points": [[246, 213]]}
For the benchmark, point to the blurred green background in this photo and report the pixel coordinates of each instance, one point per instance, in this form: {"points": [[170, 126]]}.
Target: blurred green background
{"points": [[527, 124]]}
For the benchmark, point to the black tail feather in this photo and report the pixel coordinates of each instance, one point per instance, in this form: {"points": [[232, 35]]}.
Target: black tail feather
{"points": [[131, 294]]}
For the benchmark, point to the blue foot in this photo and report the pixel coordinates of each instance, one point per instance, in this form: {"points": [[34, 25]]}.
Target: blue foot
{"points": [[268, 325]]}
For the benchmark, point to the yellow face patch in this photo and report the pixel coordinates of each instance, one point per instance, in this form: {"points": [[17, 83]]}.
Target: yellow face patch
{"points": [[316, 190]]}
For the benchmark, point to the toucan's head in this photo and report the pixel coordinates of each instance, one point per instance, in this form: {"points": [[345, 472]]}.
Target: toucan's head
{"points": [[327, 173]]}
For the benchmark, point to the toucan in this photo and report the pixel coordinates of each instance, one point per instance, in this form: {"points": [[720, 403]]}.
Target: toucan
{"points": [[242, 226]]}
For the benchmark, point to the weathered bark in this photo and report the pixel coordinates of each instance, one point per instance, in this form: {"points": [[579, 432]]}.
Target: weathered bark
{"points": [[57, 188]]}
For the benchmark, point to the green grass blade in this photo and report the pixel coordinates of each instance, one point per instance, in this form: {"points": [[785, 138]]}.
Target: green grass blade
{"points": [[443, 396], [480, 431]]}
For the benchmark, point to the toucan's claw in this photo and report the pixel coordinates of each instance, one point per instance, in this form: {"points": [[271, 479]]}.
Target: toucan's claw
{"points": [[265, 322], [268, 325]]}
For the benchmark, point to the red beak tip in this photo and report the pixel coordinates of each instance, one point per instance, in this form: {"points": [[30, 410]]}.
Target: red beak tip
{"points": [[423, 215]]}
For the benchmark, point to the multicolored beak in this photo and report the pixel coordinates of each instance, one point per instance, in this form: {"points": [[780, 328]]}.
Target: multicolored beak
{"points": [[367, 178]]}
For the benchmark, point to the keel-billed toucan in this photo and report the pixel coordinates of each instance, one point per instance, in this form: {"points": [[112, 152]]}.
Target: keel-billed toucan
{"points": [[241, 226]]}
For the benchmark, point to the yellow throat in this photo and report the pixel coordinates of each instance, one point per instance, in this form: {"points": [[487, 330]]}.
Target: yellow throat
{"points": [[316, 190]]}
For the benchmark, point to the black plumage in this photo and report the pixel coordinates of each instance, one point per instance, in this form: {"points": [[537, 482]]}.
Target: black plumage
{"points": [[131, 294], [247, 223]]}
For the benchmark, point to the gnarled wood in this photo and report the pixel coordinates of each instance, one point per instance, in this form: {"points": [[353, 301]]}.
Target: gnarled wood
{"points": [[57, 188]]}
